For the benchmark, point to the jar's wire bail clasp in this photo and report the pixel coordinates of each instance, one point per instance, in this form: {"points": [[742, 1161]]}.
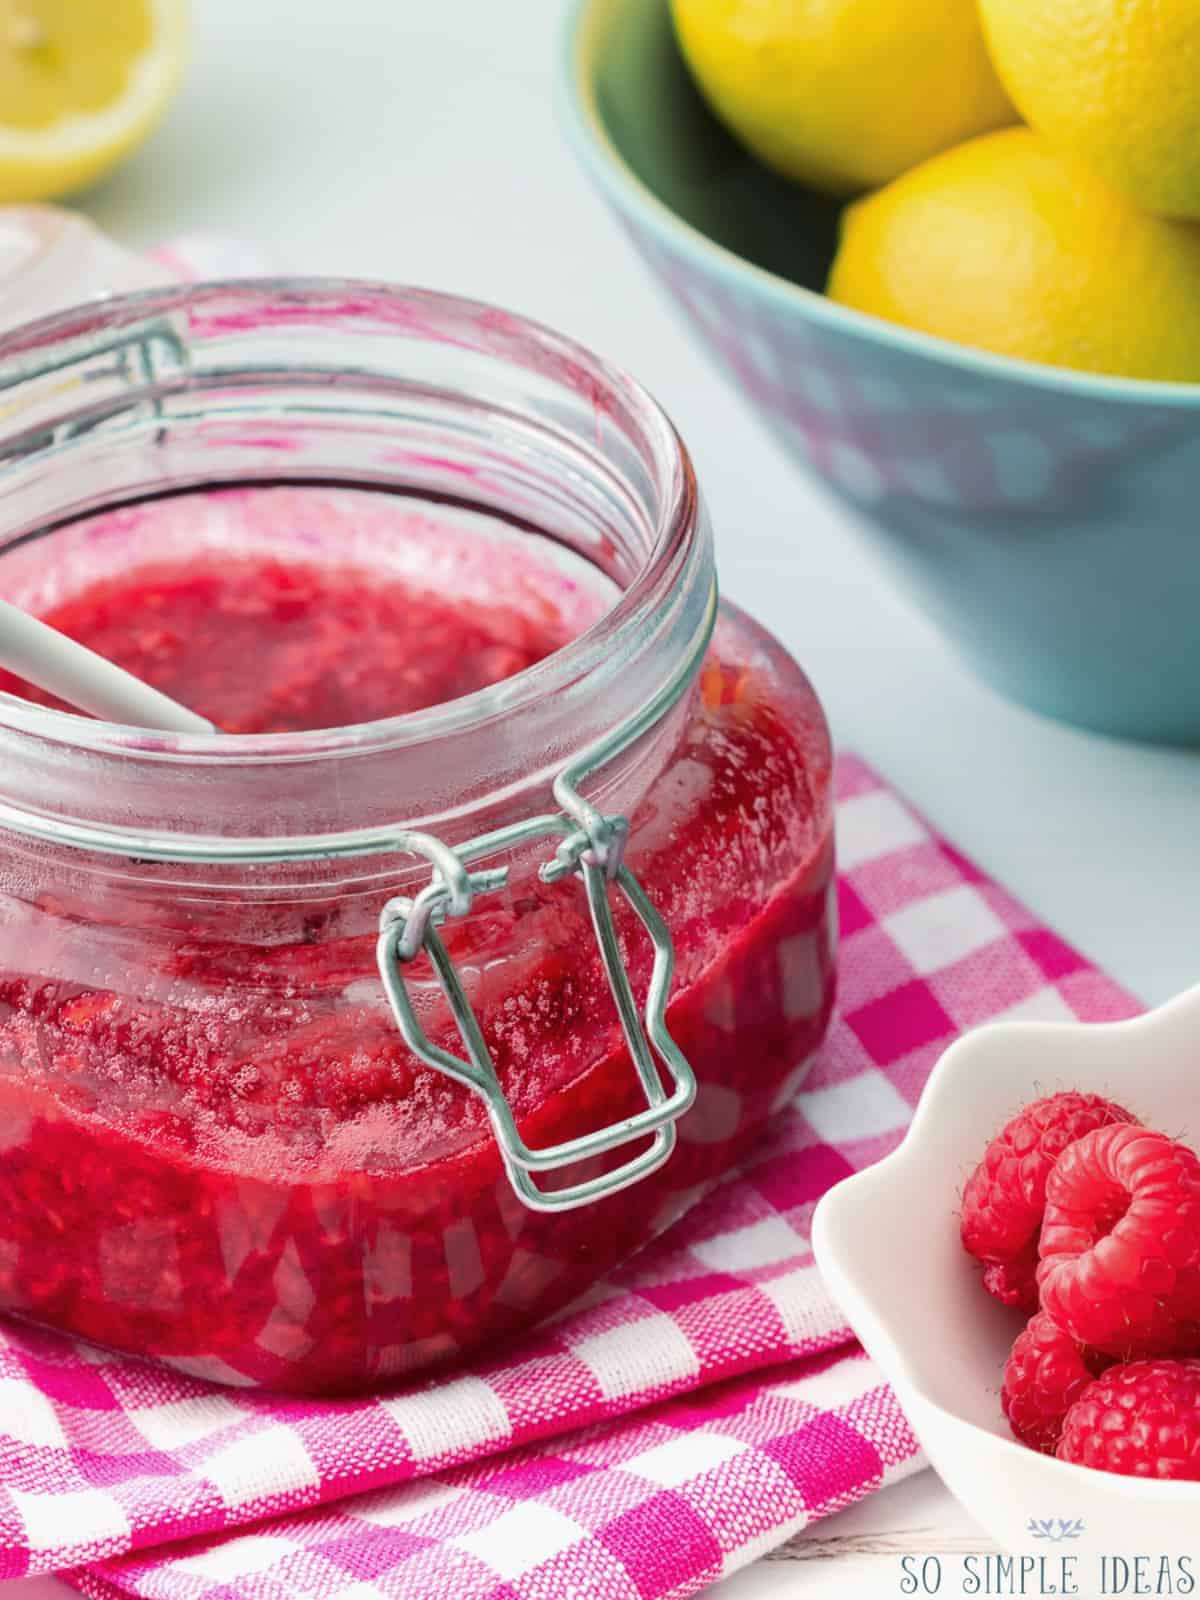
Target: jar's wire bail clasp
{"points": [[591, 846]]}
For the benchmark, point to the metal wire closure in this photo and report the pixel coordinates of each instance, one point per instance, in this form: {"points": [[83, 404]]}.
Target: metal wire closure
{"points": [[409, 926], [591, 846]]}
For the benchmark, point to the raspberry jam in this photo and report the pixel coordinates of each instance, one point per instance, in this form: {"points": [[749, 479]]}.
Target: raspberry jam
{"points": [[215, 1147], [262, 644]]}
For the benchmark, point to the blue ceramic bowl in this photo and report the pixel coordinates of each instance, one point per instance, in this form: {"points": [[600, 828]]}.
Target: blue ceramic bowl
{"points": [[1049, 522]]}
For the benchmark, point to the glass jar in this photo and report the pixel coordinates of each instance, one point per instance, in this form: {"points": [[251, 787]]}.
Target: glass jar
{"points": [[326, 1056]]}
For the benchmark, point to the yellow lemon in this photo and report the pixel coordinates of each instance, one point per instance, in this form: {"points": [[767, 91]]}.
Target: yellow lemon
{"points": [[81, 82], [1014, 246], [1115, 81], [843, 94]]}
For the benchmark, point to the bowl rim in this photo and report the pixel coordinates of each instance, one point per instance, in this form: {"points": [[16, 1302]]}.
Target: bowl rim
{"points": [[954, 1065], [590, 138]]}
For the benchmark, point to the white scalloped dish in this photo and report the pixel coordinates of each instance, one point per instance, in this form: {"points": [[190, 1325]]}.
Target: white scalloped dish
{"points": [[887, 1242]]}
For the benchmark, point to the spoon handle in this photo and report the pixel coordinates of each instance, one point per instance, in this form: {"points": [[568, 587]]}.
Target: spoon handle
{"points": [[43, 656]]}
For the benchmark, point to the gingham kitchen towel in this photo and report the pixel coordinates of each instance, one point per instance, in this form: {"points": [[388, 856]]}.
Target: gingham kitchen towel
{"points": [[702, 1405]]}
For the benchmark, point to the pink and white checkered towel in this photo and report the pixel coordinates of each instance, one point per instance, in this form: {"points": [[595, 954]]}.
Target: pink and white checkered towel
{"points": [[702, 1405]]}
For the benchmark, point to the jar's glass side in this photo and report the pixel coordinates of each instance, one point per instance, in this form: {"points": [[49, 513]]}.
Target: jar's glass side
{"points": [[214, 1146], [232, 1163]]}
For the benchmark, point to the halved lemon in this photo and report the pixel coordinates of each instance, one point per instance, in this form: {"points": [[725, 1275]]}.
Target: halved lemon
{"points": [[81, 83]]}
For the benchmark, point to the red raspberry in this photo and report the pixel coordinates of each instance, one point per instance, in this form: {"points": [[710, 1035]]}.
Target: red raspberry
{"points": [[1013, 1282], [1120, 1246], [1142, 1420], [1006, 1195], [1046, 1373]]}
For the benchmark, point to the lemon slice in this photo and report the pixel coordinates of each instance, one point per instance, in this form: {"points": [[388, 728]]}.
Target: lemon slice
{"points": [[81, 83]]}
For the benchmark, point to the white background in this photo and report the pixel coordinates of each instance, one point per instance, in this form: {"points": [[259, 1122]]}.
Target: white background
{"points": [[418, 140]]}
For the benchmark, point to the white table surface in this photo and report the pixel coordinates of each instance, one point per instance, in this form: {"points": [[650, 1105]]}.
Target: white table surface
{"points": [[418, 140]]}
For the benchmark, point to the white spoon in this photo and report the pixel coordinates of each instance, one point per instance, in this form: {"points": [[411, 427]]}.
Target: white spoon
{"points": [[41, 655]]}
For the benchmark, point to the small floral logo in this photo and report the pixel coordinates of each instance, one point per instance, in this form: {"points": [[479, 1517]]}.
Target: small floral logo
{"points": [[1056, 1529]]}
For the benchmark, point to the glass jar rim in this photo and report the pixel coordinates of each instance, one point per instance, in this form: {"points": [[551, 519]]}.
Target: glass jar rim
{"points": [[677, 524], [654, 632]]}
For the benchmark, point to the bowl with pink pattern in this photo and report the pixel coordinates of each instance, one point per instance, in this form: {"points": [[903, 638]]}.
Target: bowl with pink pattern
{"points": [[887, 1241], [1043, 519]]}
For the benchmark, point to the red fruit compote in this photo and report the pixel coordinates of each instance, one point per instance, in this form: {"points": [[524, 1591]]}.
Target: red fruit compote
{"points": [[215, 1146]]}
